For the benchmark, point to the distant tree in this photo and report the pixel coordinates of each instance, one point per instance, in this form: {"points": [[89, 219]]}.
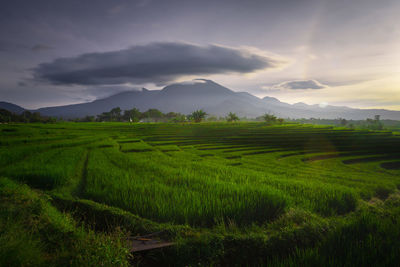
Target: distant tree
{"points": [[88, 119], [198, 115], [5, 116], [132, 114], [153, 114], [175, 117], [178, 118], [212, 118], [115, 114], [105, 116], [232, 117], [26, 115], [374, 124], [171, 115], [35, 117], [343, 122], [269, 118]]}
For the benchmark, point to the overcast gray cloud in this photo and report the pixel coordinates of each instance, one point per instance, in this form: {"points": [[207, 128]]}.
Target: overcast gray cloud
{"points": [[300, 84], [153, 63], [341, 42], [40, 47]]}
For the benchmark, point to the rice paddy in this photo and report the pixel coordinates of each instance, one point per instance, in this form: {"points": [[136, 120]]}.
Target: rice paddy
{"points": [[212, 181]]}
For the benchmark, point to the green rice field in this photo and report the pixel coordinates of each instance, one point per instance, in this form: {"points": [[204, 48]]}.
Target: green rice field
{"points": [[226, 194]]}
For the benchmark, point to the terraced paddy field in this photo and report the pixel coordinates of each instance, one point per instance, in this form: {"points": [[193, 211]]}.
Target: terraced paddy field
{"points": [[224, 194]]}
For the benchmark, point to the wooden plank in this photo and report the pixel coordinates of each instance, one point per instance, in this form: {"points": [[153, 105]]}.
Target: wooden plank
{"points": [[142, 245]]}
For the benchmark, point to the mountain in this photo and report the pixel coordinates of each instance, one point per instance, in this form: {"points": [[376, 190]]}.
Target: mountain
{"points": [[214, 99], [11, 107], [125, 100]]}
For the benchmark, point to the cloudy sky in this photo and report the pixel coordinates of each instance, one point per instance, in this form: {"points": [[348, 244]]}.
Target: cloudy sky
{"points": [[341, 52]]}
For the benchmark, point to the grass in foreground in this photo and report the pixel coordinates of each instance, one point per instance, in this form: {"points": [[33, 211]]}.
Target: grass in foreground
{"points": [[34, 233]]}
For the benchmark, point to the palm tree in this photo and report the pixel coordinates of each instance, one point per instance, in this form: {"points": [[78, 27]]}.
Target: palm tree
{"points": [[198, 115]]}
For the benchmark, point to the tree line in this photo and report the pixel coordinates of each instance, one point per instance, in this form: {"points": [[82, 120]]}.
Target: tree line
{"points": [[369, 124], [26, 116], [151, 115], [155, 115], [134, 115]]}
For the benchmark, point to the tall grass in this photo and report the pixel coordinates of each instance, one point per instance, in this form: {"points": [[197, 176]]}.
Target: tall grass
{"points": [[173, 195], [50, 169]]}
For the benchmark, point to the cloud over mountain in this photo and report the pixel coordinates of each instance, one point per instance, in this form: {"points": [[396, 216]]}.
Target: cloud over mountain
{"points": [[299, 85], [153, 63]]}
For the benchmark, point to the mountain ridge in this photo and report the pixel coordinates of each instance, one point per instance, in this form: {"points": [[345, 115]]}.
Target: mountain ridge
{"points": [[215, 99], [11, 107]]}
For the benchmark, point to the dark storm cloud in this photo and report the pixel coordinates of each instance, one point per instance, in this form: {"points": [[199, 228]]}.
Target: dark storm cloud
{"points": [[300, 84], [153, 63]]}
